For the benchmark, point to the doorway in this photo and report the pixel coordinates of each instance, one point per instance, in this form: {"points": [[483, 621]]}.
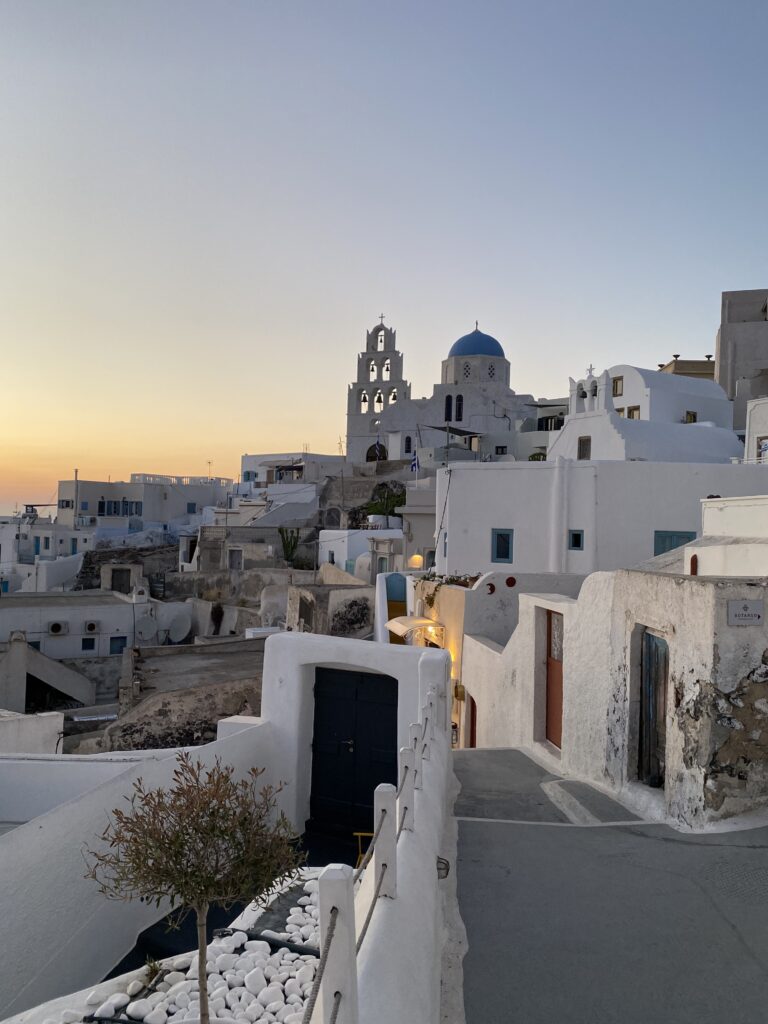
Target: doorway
{"points": [[354, 747], [554, 716], [652, 739]]}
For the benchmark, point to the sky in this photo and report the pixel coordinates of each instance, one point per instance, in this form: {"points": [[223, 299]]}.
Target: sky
{"points": [[204, 204]]}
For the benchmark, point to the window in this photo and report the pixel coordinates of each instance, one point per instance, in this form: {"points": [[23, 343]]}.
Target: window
{"points": [[363, 401], [584, 448], [139, 507], [125, 507], [762, 449], [393, 396], [491, 371], [690, 416], [617, 389], [667, 540], [575, 540], [501, 449], [380, 341], [633, 412], [117, 644], [386, 373], [101, 507], [378, 402], [448, 408], [191, 508], [459, 408], [466, 371], [83, 506], [619, 412], [408, 446], [35, 644], [501, 545], [47, 543], [88, 643], [66, 503], [372, 370]]}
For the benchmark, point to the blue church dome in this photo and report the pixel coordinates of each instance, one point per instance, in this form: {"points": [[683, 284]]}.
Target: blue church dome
{"points": [[476, 344]]}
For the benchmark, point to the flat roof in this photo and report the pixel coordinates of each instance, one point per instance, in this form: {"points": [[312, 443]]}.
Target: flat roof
{"points": [[71, 597]]}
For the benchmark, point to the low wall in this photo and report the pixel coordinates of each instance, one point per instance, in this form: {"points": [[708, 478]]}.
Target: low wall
{"points": [[30, 734], [65, 935], [400, 960]]}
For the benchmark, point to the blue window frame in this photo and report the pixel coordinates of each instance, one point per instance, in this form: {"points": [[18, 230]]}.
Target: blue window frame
{"points": [[575, 540], [88, 643], [83, 506], [502, 545], [117, 644], [667, 540], [191, 508]]}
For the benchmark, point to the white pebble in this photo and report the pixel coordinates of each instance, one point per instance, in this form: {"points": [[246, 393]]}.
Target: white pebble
{"points": [[70, 1016], [106, 1009], [256, 980], [93, 998], [139, 1009], [157, 1016]]}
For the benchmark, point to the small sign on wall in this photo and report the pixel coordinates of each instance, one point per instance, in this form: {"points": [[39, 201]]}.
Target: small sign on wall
{"points": [[745, 613]]}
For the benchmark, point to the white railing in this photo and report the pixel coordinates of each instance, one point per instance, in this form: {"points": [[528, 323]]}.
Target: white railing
{"points": [[334, 995]]}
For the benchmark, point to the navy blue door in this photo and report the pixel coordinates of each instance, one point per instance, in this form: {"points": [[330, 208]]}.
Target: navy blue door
{"points": [[653, 711], [354, 747]]}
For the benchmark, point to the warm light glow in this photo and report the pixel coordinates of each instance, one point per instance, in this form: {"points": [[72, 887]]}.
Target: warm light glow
{"points": [[415, 562]]}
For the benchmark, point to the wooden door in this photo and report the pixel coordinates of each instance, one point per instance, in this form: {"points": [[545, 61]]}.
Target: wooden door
{"points": [[354, 747], [653, 711], [554, 729]]}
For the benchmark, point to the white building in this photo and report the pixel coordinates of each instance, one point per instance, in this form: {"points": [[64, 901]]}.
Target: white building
{"points": [[39, 553], [92, 624], [741, 360], [473, 401], [147, 501], [635, 414], [733, 541], [575, 516]]}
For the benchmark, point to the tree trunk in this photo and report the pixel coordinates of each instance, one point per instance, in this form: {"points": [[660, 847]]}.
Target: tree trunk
{"points": [[202, 950]]}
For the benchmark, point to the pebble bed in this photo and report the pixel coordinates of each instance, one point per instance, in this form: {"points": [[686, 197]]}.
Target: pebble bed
{"points": [[247, 982]]}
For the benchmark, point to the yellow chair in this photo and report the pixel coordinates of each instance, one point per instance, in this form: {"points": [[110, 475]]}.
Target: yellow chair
{"points": [[360, 851]]}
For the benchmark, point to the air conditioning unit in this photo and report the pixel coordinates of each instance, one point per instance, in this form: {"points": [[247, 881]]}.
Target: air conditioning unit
{"points": [[91, 627], [58, 628]]}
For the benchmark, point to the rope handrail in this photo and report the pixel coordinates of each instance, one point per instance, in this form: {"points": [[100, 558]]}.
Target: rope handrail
{"points": [[369, 852], [402, 781], [369, 915], [308, 1010], [402, 823]]}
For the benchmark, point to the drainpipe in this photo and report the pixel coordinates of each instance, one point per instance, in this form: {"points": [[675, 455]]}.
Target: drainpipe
{"points": [[558, 516]]}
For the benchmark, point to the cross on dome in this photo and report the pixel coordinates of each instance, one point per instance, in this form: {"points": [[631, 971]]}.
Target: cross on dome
{"points": [[590, 370], [381, 318]]}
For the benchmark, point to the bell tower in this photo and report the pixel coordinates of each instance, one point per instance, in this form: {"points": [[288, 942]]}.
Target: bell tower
{"points": [[379, 386]]}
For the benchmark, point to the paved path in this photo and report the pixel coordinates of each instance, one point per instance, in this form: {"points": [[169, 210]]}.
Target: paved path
{"points": [[605, 921]]}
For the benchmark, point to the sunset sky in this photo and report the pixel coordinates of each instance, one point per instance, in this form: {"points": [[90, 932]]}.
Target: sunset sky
{"points": [[204, 205]]}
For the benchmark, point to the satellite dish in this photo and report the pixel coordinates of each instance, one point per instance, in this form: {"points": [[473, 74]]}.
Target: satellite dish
{"points": [[146, 628], [178, 627]]}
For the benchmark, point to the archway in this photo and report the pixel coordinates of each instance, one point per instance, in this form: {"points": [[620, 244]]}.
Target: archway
{"points": [[376, 453]]}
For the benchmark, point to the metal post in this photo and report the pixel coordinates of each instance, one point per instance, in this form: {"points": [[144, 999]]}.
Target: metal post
{"points": [[385, 850], [417, 744], [335, 890], [407, 797]]}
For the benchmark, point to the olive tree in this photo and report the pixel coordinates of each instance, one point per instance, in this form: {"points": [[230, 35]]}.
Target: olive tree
{"points": [[208, 838]]}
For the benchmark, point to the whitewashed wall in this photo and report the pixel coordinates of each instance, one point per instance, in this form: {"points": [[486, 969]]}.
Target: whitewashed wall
{"points": [[290, 660], [62, 911], [618, 505]]}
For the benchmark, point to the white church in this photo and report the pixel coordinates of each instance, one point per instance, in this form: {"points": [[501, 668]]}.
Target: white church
{"points": [[472, 413]]}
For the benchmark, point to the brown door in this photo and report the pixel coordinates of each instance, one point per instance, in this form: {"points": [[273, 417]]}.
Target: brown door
{"points": [[555, 678], [472, 722]]}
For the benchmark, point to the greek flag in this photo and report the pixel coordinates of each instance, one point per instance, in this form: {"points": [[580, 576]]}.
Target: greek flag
{"points": [[415, 463]]}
